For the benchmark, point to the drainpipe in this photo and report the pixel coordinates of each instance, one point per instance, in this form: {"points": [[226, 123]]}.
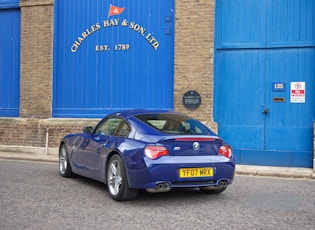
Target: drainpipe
{"points": [[47, 135]]}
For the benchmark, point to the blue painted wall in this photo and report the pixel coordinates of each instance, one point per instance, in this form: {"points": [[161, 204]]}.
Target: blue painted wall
{"points": [[258, 44], [104, 63], [9, 58]]}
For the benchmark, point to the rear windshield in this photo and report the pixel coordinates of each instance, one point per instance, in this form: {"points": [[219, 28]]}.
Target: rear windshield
{"points": [[174, 124]]}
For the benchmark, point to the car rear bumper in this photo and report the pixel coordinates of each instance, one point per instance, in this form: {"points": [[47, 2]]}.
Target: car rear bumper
{"points": [[166, 170]]}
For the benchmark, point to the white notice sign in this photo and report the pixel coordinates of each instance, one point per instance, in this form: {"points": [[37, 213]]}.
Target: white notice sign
{"points": [[297, 92]]}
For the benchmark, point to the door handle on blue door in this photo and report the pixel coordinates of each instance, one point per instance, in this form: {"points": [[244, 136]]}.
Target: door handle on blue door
{"points": [[264, 109]]}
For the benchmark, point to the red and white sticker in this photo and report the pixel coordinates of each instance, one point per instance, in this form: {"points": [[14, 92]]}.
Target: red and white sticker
{"points": [[297, 92]]}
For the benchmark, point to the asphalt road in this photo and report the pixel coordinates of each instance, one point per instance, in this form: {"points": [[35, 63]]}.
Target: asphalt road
{"points": [[34, 196]]}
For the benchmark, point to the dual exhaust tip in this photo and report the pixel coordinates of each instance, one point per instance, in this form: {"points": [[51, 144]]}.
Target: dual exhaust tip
{"points": [[222, 184], [160, 187]]}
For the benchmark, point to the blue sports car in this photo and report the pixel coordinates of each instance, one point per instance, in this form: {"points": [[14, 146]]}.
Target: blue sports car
{"points": [[147, 149]]}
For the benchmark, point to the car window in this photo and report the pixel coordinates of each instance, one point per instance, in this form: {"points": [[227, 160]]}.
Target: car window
{"points": [[174, 124], [109, 126], [123, 130]]}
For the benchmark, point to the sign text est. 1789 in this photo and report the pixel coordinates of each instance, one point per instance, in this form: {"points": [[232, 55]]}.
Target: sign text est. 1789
{"points": [[117, 47]]}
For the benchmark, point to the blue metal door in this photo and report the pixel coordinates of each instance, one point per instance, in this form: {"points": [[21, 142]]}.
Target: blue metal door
{"points": [[112, 55], [262, 50], [9, 58]]}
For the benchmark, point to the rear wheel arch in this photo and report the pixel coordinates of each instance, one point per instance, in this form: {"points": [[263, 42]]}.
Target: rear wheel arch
{"points": [[117, 179], [110, 155]]}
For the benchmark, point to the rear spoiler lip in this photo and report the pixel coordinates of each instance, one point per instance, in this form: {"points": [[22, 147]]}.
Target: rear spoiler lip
{"points": [[191, 138]]}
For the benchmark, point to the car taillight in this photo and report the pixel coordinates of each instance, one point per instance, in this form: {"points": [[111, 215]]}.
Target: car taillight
{"points": [[153, 152], [226, 151]]}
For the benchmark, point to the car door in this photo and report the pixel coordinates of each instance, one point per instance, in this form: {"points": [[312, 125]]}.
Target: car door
{"points": [[93, 145]]}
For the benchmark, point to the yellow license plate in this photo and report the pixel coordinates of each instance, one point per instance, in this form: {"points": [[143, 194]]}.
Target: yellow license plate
{"points": [[195, 172]]}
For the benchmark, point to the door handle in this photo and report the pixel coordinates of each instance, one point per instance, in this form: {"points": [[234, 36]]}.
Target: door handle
{"points": [[106, 144], [100, 147], [264, 109]]}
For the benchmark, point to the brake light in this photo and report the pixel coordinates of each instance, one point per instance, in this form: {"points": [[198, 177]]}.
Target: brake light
{"points": [[153, 152], [225, 150]]}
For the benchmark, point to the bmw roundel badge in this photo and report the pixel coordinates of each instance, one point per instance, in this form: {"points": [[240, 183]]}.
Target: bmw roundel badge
{"points": [[196, 145]]}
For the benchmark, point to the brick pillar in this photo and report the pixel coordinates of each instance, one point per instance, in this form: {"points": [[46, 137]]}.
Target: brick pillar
{"points": [[36, 58], [194, 43]]}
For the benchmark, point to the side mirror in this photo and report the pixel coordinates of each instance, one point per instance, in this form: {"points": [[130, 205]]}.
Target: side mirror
{"points": [[88, 129]]}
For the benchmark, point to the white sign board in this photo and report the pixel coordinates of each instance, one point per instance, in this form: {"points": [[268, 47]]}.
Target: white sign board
{"points": [[297, 92]]}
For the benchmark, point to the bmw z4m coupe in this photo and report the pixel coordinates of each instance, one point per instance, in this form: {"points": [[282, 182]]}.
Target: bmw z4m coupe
{"points": [[148, 149]]}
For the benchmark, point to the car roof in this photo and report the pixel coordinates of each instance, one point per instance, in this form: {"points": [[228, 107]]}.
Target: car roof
{"points": [[135, 112]]}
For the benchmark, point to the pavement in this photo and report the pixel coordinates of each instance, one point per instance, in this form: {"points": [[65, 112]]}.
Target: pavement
{"points": [[284, 172]]}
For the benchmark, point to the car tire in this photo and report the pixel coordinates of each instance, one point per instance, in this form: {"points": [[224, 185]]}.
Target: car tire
{"points": [[116, 180], [64, 164]]}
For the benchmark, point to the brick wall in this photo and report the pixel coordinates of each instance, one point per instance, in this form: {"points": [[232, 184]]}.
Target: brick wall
{"points": [[194, 41], [36, 58], [18, 131], [57, 128], [32, 131]]}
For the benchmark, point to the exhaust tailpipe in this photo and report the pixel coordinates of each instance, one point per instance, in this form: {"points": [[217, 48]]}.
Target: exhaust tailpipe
{"points": [[160, 187], [222, 184]]}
